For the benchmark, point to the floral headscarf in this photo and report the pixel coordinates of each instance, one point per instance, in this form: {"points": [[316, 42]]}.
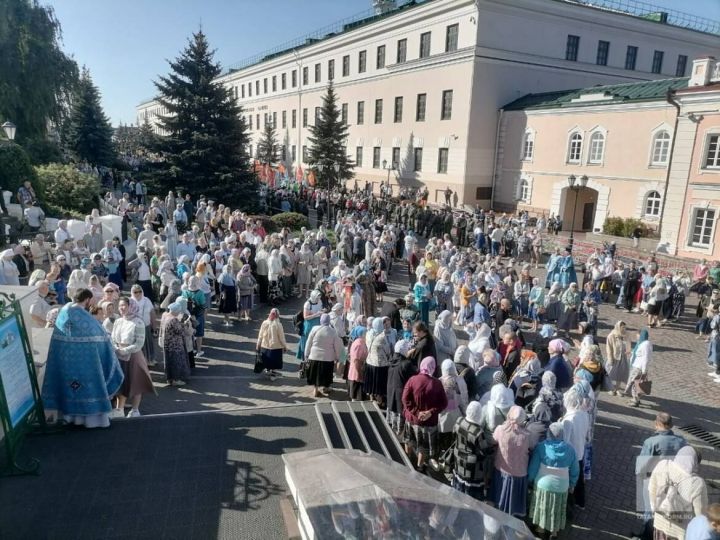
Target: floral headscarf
{"points": [[427, 366]]}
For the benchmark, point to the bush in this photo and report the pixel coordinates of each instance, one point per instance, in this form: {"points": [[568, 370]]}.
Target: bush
{"points": [[291, 220], [68, 189], [15, 166], [617, 226], [268, 224]]}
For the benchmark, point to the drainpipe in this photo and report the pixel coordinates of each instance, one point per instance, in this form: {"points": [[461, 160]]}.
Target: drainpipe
{"points": [[495, 158], [670, 99]]}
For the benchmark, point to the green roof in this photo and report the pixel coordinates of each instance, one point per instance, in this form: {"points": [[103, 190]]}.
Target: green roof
{"points": [[609, 95]]}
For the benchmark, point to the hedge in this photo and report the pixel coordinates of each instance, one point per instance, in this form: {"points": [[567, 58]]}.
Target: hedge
{"points": [[291, 220], [616, 226]]}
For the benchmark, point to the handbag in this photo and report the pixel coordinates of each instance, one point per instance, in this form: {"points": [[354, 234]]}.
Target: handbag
{"points": [[643, 386], [259, 365]]}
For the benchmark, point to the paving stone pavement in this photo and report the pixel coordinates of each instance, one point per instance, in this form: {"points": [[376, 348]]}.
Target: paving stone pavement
{"points": [[224, 380]]}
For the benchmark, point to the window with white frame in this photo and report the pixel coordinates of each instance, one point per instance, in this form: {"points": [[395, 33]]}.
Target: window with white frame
{"points": [[652, 204], [575, 148], [528, 145], [524, 190], [712, 154], [597, 147], [660, 148], [703, 222]]}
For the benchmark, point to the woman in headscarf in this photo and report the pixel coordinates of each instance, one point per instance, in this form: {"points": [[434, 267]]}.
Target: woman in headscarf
{"points": [[489, 366], [576, 431], [571, 303], [457, 399], [640, 358], [379, 272], [245, 283], [553, 471], [173, 293], [271, 344], [274, 274], [321, 262], [183, 266], [553, 270], [509, 486], [312, 311], [166, 276], [616, 361], [303, 274], [525, 380], [197, 308], [79, 278], [549, 398], [558, 365], [172, 341], [378, 363], [677, 494], [471, 451], [228, 294], [553, 303], [399, 373], [423, 294], [356, 369], [423, 399], [479, 343], [146, 313], [444, 334], [337, 321], [466, 369], [322, 350], [537, 304], [588, 362], [444, 293], [128, 338]]}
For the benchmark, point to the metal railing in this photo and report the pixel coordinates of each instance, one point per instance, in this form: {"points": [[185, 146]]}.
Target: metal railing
{"points": [[652, 13]]}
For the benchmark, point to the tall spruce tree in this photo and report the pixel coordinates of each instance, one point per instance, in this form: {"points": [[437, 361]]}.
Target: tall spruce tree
{"points": [[268, 148], [328, 143], [205, 142], [89, 135]]}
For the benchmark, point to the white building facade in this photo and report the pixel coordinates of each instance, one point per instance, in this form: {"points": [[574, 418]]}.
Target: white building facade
{"points": [[421, 86]]}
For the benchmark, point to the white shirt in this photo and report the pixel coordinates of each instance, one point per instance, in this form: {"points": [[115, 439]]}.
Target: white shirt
{"points": [[146, 307], [643, 355], [33, 215], [60, 236]]}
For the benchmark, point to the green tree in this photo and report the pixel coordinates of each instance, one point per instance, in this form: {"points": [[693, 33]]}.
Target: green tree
{"points": [[89, 135], [328, 139], [37, 79], [67, 189], [268, 148], [205, 142], [15, 166]]}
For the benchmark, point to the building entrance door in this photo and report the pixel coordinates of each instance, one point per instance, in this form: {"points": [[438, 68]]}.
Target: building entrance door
{"points": [[588, 216]]}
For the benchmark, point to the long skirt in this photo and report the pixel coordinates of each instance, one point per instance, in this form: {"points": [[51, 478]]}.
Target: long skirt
{"points": [[548, 509], [245, 303], [510, 493], [553, 311], [617, 372], [568, 320], [177, 364], [137, 377], [149, 346], [228, 299], [272, 359], [320, 373], [375, 382]]}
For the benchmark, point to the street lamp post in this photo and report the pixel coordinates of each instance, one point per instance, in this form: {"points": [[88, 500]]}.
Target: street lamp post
{"points": [[392, 167], [321, 167], [9, 128], [576, 188]]}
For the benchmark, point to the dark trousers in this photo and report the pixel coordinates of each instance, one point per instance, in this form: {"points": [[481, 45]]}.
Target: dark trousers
{"points": [[263, 287], [630, 298]]}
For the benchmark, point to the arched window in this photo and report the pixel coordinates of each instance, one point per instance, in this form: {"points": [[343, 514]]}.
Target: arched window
{"points": [[597, 147], [660, 148], [528, 145], [524, 190], [653, 202], [575, 148]]}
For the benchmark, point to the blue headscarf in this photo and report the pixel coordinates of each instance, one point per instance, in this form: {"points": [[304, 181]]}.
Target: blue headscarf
{"points": [[583, 389], [584, 375], [547, 331], [357, 332], [644, 336]]}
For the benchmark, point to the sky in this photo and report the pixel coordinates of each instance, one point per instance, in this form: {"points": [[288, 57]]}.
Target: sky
{"points": [[125, 44]]}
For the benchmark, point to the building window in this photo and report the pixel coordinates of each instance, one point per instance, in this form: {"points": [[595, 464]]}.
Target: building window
{"points": [[293, 152], [652, 204], [317, 73], [572, 47], [396, 157], [235, 92], [425, 44], [250, 124], [274, 119], [362, 61], [265, 86], [358, 156], [528, 145], [360, 113], [274, 83], [242, 90], [306, 76], [283, 153], [344, 113], [284, 119], [660, 148], [304, 154], [331, 70], [420, 109], [524, 191], [346, 65], [451, 37], [293, 78], [681, 66], [575, 148], [446, 111], [293, 122], [597, 148], [703, 224], [305, 118], [712, 155], [631, 57], [283, 81], [602, 53], [657, 61], [376, 157], [417, 159], [378, 111], [257, 121], [442, 160], [401, 51], [380, 60], [398, 109], [317, 114]]}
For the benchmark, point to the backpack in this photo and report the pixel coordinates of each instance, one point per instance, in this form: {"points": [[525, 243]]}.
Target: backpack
{"points": [[299, 321], [669, 502], [194, 308]]}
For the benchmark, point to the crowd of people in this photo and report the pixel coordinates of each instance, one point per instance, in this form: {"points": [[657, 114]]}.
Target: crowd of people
{"points": [[509, 419]]}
